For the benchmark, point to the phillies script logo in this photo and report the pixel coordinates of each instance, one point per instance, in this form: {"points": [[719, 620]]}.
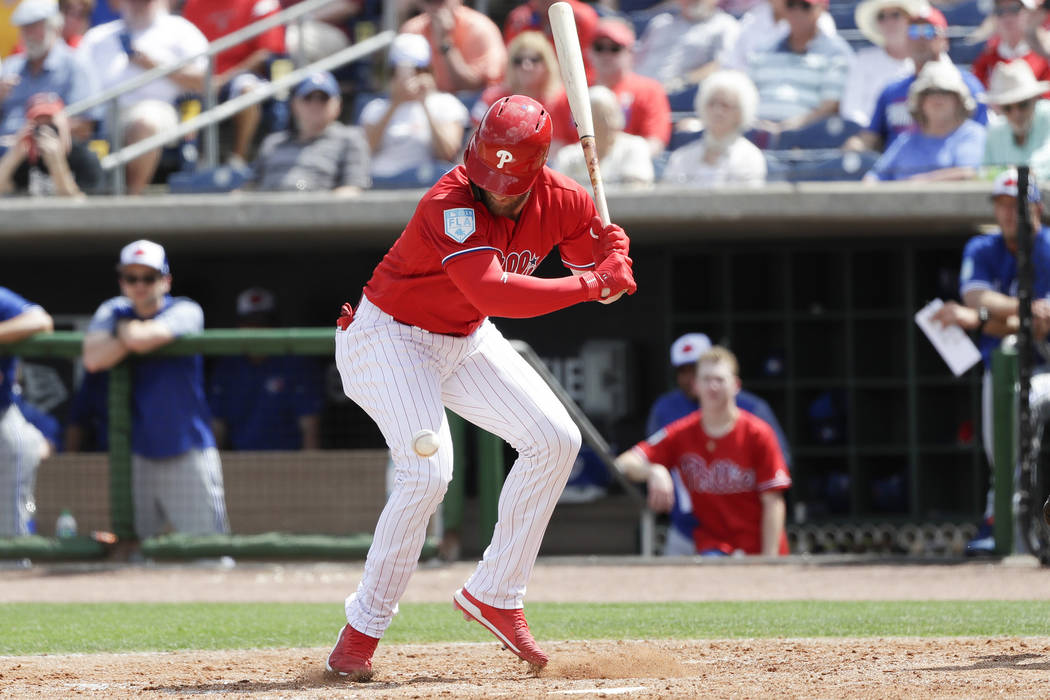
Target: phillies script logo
{"points": [[522, 263], [720, 477], [504, 157]]}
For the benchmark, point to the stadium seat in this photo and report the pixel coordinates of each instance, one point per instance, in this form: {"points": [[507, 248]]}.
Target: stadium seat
{"points": [[681, 138], [829, 133], [682, 101], [423, 176], [842, 12], [221, 179], [824, 165], [964, 14]]}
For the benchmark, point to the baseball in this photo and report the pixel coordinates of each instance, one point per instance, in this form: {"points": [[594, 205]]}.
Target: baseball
{"points": [[425, 443]]}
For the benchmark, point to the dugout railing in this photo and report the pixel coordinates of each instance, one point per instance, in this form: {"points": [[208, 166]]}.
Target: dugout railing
{"points": [[350, 480]]}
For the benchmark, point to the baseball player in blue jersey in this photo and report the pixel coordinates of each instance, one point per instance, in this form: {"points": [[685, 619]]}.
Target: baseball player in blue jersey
{"points": [[988, 288], [265, 402], [682, 401], [176, 473], [22, 446]]}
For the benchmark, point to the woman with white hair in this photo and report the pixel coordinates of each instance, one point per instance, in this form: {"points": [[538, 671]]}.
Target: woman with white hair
{"points": [[624, 158], [947, 145], [726, 106]]}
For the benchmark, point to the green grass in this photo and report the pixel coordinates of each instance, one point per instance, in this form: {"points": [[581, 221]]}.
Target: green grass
{"points": [[31, 628]]}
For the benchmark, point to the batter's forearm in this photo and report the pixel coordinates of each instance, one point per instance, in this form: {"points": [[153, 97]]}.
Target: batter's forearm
{"points": [[494, 292]]}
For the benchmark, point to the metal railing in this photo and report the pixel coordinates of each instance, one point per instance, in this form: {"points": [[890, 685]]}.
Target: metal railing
{"points": [[296, 14]]}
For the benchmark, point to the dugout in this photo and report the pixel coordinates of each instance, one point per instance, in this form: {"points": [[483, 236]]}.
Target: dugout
{"points": [[813, 285]]}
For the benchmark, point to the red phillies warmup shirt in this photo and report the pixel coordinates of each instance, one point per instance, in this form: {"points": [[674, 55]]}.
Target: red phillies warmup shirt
{"points": [[724, 477], [410, 282], [217, 18]]}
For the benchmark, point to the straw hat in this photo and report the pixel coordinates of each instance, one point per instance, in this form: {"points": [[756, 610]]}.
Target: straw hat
{"points": [[940, 75], [867, 13], [1013, 81]]}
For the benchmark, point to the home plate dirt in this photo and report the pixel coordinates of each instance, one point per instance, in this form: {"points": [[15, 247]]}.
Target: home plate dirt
{"points": [[753, 668]]}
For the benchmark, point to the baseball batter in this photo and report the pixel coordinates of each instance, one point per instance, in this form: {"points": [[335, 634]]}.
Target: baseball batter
{"points": [[421, 341], [22, 446]]}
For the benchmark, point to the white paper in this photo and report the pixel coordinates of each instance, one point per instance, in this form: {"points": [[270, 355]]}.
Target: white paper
{"points": [[958, 351]]}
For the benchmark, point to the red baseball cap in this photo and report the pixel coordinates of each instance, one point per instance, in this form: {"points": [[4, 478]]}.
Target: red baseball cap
{"points": [[43, 104], [616, 30], [932, 16]]}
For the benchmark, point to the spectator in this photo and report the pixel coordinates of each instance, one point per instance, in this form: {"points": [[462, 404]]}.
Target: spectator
{"points": [[681, 49], [47, 65], [726, 106], [242, 68], [76, 15], [644, 102], [467, 49], [800, 79], [624, 158], [531, 15], [264, 402], [146, 36], [44, 160], [728, 462], [533, 71], [176, 473], [927, 42], [318, 153], [1015, 93], [885, 24], [22, 446], [948, 145], [764, 25], [987, 287], [1012, 18], [416, 132]]}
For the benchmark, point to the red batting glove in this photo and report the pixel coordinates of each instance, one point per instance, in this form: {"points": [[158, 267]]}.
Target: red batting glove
{"points": [[606, 240], [612, 277]]}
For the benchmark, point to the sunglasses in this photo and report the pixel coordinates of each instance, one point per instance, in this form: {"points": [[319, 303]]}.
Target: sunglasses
{"points": [[522, 60], [604, 47], [922, 31], [1022, 106], [135, 279], [800, 5], [1007, 10], [889, 14]]}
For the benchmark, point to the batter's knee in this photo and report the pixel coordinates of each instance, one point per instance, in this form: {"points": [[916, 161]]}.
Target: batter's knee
{"points": [[563, 443], [424, 486]]}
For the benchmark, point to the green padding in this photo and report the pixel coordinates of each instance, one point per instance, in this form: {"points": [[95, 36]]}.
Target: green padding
{"points": [[270, 545], [50, 548]]}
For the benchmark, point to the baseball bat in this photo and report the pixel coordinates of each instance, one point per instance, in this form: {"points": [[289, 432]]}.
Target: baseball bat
{"points": [[570, 62]]}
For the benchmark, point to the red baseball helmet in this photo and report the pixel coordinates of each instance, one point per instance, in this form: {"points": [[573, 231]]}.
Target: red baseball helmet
{"points": [[509, 148]]}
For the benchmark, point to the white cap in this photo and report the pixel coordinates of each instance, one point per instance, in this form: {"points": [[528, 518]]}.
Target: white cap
{"points": [[1006, 184], [254, 301], [410, 50], [688, 349], [145, 253], [33, 11]]}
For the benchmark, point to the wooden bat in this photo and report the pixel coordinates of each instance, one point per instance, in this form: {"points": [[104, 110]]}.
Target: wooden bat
{"points": [[570, 61]]}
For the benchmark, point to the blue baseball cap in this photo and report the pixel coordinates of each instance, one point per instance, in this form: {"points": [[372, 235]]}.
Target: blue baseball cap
{"points": [[33, 11], [322, 81]]}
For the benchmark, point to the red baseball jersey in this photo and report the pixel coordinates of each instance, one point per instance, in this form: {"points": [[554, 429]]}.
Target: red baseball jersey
{"points": [[410, 282], [646, 110], [724, 477], [217, 18]]}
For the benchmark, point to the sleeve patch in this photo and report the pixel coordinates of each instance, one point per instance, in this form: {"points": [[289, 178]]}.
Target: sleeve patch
{"points": [[967, 269], [459, 224]]}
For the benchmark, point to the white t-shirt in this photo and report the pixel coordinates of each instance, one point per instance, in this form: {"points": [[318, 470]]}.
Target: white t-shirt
{"points": [[741, 164], [168, 39], [672, 46], [758, 30], [870, 71], [627, 162], [407, 141]]}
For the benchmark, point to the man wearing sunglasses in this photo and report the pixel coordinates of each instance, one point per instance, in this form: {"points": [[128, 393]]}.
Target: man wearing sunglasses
{"points": [[927, 41], [176, 473], [1011, 19], [1016, 94], [800, 79]]}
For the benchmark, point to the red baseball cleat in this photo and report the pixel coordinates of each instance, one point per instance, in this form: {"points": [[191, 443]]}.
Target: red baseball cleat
{"points": [[352, 655], [509, 626]]}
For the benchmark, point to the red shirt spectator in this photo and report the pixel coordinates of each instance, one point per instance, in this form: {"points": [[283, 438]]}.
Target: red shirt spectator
{"points": [[991, 57], [647, 112], [468, 52], [217, 18], [532, 15], [1011, 17]]}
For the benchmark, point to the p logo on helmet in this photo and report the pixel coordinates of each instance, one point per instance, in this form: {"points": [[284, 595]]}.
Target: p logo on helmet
{"points": [[503, 156], [507, 152]]}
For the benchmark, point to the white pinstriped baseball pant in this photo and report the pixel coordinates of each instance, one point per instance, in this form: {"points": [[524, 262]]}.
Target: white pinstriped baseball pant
{"points": [[404, 378]]}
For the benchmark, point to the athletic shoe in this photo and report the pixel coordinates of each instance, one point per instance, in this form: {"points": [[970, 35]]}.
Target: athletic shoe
{"points": [[984, 541], [352, 655], [509, 626]]}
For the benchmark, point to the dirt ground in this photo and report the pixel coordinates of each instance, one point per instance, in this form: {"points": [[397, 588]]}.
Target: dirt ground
{"points": [[756, 668]]}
